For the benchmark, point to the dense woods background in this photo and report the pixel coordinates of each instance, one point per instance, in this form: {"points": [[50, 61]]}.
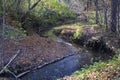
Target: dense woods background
{"points": [[107, 11]]}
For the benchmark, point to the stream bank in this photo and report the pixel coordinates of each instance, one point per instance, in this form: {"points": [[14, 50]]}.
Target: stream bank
{"points": [[66, 66], [59, 69], [61, 66], [58, 52], [70, 64], [89, 37], [35, 51]]}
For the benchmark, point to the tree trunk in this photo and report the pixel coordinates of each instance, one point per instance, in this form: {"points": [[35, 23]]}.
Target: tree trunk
{"points": [[3, 35], [114, 16], [105, 14], [96, 4], [118, 18], [23, 18]]}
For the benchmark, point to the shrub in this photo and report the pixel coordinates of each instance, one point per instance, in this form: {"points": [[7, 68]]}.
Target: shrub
{"points": [[13, 33], [51, 11]]}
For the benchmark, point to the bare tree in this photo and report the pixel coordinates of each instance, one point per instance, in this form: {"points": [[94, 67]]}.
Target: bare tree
{"points": [[29, 4], [105, 7], [118, 18], [114, 4], [3, 33], [97, 8]]}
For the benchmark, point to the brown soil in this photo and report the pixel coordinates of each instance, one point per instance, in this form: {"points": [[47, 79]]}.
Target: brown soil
{"points": [[34, 51]]}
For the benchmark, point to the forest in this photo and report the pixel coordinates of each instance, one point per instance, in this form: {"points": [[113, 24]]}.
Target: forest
{"points": [[59, 39]]}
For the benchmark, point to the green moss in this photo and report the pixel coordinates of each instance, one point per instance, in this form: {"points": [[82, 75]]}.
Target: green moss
{"points": [[118, 51], [51, 34], [5, 70], [90, 14], [78, 33]]}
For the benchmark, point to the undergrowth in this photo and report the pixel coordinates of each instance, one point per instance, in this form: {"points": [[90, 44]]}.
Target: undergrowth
{"points": [[51, 12], [100, 70], [13, 33]]}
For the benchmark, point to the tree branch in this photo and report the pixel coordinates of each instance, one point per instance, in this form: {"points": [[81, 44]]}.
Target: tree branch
{"points": [[31, 8], [10, 61]]}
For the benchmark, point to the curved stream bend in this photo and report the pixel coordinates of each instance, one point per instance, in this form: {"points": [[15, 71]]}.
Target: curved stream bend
{"points": [[59, 68]]}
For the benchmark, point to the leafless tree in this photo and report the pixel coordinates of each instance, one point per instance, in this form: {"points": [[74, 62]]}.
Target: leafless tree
{"points": [[105, 7], [3, 34], [114, 4], [97, 8]]}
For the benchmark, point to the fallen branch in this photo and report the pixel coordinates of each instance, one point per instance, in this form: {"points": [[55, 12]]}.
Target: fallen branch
{"points": [[12, 74], [10, 61], [23, 73]]}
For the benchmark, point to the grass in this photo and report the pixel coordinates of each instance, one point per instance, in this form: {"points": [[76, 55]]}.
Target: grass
{"points": [[77, 25], [100, 71], [51, 34]]}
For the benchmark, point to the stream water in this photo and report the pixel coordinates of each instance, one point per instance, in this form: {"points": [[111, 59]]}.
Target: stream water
{"points": [[59, 69], [64, 67]]}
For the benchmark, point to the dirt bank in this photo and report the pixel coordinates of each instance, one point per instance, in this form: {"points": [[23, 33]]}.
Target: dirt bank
{"points": [[34, 51]]}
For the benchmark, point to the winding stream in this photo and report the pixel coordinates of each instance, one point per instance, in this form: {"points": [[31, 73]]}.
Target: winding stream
{"points": [[59, 69]]}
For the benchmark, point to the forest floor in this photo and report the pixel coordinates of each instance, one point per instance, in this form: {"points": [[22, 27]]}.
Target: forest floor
{"points": [[34, 51], [98, 71]]}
